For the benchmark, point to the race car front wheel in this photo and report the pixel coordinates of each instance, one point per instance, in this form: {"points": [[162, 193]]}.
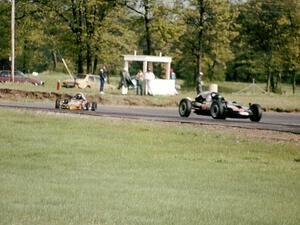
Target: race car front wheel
{"points": [[185, 108], [217, 110], [256, 112]]}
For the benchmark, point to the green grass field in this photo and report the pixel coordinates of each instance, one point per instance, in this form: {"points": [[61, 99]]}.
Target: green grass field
{"points": [[60, 169]]}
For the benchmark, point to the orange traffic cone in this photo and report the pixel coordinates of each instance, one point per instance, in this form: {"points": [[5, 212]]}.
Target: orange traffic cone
{"points": [[58, 85]]}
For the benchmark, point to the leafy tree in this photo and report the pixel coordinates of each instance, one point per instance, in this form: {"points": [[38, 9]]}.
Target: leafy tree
{"points": [[263, 42], [268, 42], [260, 31], [30, 48], [290, 51], [86, 31], [82, 18], [5, 34], [168, 26], [115, 38], [157, 26], [145, 9], [219, 51], [206, 38]]}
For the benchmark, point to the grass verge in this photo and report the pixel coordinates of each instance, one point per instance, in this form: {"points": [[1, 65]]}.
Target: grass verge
{"points": [[58, 169]]}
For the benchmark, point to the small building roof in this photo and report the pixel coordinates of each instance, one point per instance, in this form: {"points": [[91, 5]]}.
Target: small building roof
{"points": [[148, 58]]}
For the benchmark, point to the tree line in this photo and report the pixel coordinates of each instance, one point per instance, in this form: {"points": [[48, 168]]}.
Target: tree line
{"points": [[237, 40]]}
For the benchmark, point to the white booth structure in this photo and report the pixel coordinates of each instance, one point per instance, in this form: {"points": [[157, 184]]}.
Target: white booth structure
{"points": [[157, 86]]}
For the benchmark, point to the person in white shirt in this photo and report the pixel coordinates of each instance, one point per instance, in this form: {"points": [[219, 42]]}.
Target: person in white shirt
{"points": [[149, 75]]}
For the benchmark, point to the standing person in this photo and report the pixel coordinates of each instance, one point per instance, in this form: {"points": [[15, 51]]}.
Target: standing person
{"points": [[125, 81], [102, 75], [149, 75], [172, 74], [139, 82], [173, 77], [199, 83]]}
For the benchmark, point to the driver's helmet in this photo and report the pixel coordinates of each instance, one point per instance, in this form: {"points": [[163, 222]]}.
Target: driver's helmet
{"points": [[206, 95], [215, 95], [203, 96], [200, 98], [78, 96], [208, 98]]}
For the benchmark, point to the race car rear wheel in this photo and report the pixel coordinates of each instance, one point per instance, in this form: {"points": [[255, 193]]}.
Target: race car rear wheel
{"points": [[87, 106], [94, 106], [185, 107], [256, 112], [57, 103], [217, 110]]}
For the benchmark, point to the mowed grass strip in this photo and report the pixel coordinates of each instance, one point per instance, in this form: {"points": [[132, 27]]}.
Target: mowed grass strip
{"points": [[60, 169]]}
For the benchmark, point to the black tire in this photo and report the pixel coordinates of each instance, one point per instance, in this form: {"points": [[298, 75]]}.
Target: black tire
{"points": [[217, 110], [57, 103], [256, 112], [185, 107], [94, 106], [87, 106]]}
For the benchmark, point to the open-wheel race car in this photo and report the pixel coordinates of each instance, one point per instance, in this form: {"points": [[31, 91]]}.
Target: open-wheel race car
{"points": [[213, 104], [76, 102]]}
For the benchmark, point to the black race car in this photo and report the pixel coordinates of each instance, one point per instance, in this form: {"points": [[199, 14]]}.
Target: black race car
{"points": [[213, 104]]}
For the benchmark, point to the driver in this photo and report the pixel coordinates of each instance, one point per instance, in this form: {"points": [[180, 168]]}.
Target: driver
{"points": [[78, 96]]}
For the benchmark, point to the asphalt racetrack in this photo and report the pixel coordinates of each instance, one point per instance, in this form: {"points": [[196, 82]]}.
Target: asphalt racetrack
{"points": [[284, 122]]}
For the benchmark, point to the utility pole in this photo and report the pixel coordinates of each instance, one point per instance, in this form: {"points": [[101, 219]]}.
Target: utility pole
{"points": [[13, 40]]}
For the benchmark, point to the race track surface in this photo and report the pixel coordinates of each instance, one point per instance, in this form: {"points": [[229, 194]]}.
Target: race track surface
{"points": [[284, 122]]}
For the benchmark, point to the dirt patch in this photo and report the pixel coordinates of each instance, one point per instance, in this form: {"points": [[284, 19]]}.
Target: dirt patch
{"points": [[11, 94], [137, 101], [19, 95], [267, 135], [244, 133]]}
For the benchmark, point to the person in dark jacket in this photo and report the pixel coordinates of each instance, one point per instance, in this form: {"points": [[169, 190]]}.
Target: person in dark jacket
{"points": [[102, 75], [125, 79]]}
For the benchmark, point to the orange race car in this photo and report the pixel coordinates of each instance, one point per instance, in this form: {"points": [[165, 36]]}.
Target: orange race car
{"points": [[77, 102]]}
